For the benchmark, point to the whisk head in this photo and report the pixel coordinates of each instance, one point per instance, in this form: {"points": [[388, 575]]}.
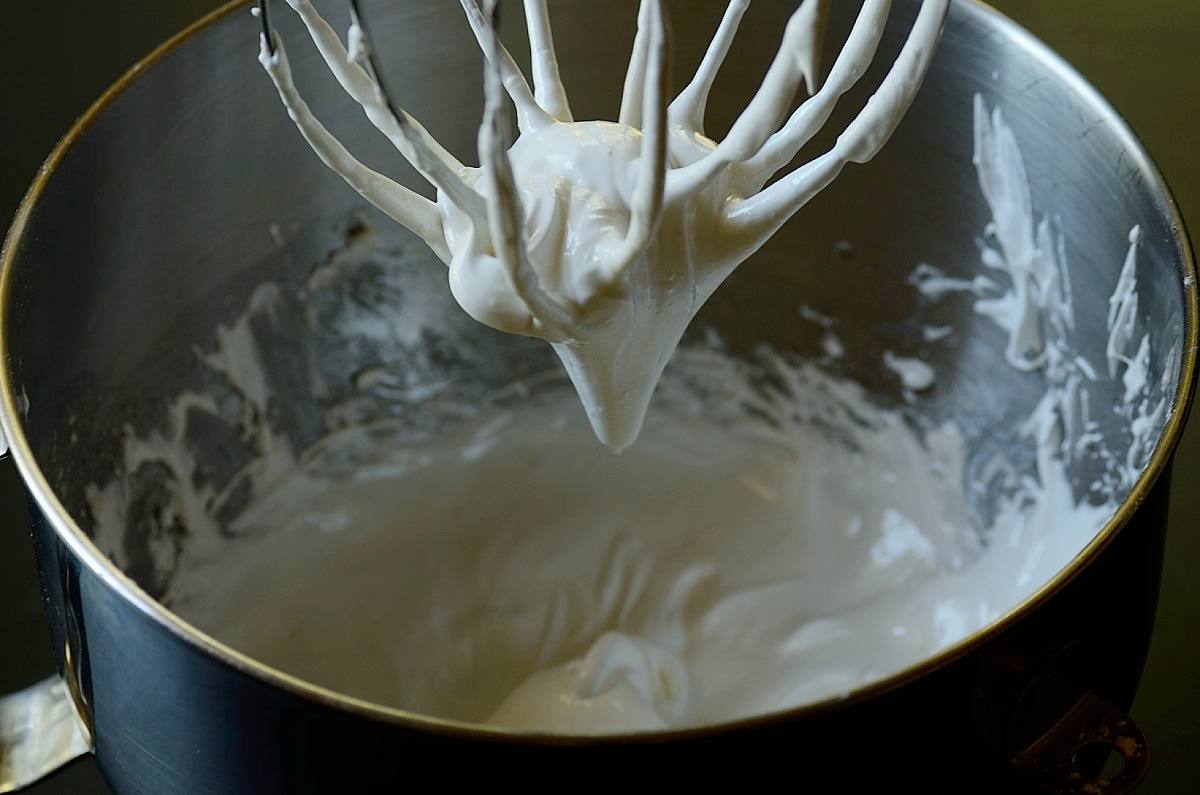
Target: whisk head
{"points": [[686, 224]]}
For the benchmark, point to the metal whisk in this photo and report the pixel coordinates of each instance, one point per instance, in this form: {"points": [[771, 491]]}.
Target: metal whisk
{"points": [[694, 221]]}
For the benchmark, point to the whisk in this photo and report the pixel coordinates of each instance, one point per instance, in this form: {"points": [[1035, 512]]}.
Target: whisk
{"points": [[667, 212]]}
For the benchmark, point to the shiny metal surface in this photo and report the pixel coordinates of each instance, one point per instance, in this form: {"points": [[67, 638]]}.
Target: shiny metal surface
{"points": [[39, 733], [153, 195]]}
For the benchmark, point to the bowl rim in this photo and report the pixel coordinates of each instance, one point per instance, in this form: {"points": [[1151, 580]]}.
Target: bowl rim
{"points": [[73, 536]]}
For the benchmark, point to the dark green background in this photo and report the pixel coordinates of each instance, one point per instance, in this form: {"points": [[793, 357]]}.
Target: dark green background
{"points": [[56, 57]]}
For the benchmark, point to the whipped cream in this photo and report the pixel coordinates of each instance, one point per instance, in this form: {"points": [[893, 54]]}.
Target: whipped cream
{"points": [[606, 237], [756, 551]]}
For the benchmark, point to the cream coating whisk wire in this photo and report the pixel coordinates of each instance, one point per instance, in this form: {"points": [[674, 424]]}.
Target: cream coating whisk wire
{"points": [[605, 238]]}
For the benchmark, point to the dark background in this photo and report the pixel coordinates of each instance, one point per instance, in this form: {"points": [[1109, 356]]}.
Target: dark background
{"points": [[56, 58]]}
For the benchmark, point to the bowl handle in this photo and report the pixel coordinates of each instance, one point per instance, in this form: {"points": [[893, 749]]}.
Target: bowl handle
{"points": [[1068, 758], [40, 732]]}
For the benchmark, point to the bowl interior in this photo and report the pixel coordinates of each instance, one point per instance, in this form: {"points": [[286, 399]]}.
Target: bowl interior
{"points": [[189, 205]]}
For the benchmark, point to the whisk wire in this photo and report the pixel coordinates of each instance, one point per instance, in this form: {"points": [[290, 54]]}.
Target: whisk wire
{"points": [[372, 65], [264, 16]]}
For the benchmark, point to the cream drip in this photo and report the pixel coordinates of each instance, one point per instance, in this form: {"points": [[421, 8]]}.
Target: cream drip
{"points": [[605, 238]]}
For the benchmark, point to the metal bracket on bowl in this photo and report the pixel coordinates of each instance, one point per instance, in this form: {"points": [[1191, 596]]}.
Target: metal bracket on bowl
{"points": [[47, 726], [1070, 757], [40, 732]]}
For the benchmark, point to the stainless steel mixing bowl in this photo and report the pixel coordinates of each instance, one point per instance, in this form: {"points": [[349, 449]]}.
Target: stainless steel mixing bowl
{"points": [[148, 226]]}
